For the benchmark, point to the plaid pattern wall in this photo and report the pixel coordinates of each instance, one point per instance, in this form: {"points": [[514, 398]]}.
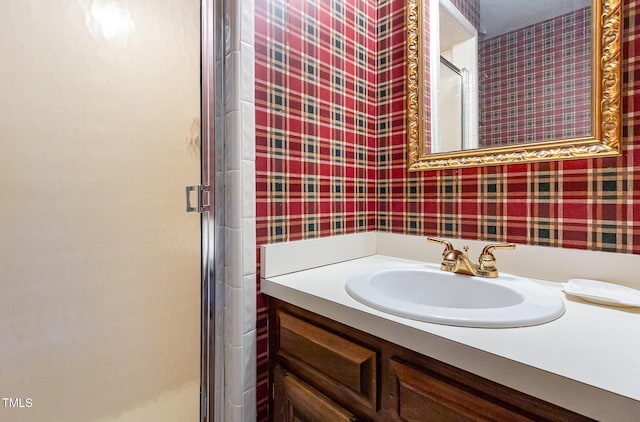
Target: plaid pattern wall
{"points": [[315, 127], [321, 67], [315, 140], [535, 82]]}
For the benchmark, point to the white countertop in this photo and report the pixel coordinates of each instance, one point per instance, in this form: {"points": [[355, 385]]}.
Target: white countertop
{"points": [[587, 361]]}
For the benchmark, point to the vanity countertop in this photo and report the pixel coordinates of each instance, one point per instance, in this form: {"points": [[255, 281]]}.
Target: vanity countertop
{"points": [[587, 361]]}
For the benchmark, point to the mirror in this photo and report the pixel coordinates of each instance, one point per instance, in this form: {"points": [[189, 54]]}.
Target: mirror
{"points": [[489, 83]]}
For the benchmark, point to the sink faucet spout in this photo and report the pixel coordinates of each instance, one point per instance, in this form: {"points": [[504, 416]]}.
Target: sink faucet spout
{"points": [[456, 261]]}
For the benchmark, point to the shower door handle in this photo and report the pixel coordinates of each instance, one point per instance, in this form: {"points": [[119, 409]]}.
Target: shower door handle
{"points": [[202, 192]]}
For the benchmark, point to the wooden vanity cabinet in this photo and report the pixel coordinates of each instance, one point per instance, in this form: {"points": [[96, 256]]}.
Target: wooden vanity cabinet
{"points": [[322, 370]]}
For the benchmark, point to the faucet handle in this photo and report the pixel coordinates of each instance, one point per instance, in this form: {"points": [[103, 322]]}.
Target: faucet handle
{"points": [[448, 247], [488, 250], [449, 255], [488, 261]]}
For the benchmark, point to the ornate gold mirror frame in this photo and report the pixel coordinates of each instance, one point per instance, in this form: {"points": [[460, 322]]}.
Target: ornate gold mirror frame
{"points": [[605, 100]]}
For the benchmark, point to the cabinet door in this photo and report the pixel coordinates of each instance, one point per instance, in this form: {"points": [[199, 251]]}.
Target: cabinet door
{"points": [[422, 397], [295, 401], [338, 367]]}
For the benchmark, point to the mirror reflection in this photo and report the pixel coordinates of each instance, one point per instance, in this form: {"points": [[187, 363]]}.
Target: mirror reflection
{"points": [[508, 72], [451, 106]]}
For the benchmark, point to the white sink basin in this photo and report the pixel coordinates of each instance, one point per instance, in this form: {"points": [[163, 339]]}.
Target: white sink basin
{"points": [[429, 294]]}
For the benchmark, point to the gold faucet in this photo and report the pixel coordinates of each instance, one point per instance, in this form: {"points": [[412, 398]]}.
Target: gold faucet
{"points": [[456, 261]]}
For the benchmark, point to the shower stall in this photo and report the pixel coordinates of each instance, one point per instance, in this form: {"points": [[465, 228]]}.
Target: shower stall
{"points": [[111, 304]]}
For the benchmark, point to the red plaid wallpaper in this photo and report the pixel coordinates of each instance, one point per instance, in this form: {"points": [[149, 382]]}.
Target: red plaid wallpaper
{"points": [[470, 9], [316, 96], [535, 82], [330, 148]]}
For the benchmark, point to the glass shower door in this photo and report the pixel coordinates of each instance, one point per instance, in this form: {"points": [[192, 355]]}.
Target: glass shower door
{"points": [[451, 103], [99, 263]]}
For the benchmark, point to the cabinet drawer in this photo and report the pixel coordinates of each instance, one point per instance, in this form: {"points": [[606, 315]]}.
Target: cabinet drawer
{"points": [[421, 397], [331, 361], [296, 401]]}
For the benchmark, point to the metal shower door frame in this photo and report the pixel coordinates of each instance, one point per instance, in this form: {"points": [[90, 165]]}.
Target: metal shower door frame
{"points": [[212, 217]]}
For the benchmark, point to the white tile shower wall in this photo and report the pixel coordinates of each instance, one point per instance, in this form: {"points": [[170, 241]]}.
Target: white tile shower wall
{"points": [[240, 309], [232, 154]]}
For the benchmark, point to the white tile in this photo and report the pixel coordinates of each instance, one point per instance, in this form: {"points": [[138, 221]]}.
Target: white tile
{"points": [[219, 337], [233, 257], [248, 130], [248, 22], [220, 253], [248, 246], [233, 199], [233, 143], [233, 374], [219, 191], [249, 303], [219, 312], [249, 407], [219, 111], [219, 119], [233, 412], [248, 188], [233, 316], [232, 82], [232, 20], [247, 83], [249, 350]]}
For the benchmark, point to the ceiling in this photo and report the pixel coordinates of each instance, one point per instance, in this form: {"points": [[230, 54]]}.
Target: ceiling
{"points": [[500, 16]]}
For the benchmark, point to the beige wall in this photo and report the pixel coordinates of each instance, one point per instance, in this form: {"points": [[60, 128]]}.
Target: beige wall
{"points": [[99, 263]]}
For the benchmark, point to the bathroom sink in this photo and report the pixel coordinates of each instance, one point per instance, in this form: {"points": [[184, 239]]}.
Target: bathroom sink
{"points": [[431, 295]]}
